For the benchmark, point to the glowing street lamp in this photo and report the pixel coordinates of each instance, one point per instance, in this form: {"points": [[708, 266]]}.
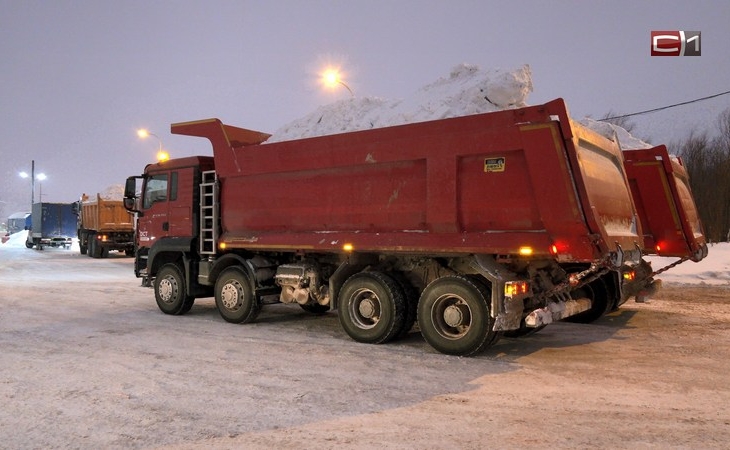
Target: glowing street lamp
{"points": [[33, 177], [162, 155], [331, 78]]}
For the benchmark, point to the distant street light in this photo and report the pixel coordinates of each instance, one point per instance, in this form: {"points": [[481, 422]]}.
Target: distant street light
{"points": [[162, 155], [331, 78], [33, 177]]}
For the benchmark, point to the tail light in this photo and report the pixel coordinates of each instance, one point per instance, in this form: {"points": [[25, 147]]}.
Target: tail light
{"points": [[516, 288]]}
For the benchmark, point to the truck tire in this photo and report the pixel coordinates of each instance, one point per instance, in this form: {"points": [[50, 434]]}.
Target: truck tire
{"points": [[600, 305], [453, 314], [170, 291], [95, 249], [372, 308], [83, 243], [411, 297], [234, 297]]}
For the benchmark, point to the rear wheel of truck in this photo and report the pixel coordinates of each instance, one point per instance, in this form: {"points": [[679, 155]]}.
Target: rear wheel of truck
{"points": [[372, 308], [234, 297], [170, 291], [453, 314], [83, 240], [597, 292], [411, 297], [95, 249]]}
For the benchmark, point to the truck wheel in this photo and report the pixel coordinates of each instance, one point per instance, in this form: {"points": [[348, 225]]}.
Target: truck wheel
{"points": [[453, 314], [234, 297], [372, 307], [411, 296], [598, 293], [170, 291], [95, 249]]}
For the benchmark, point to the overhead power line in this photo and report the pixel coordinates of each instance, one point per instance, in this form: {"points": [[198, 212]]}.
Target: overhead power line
{"points": [[666, 107]]}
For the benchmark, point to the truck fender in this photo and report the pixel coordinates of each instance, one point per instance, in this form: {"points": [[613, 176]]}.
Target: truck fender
{"points": [[230, 260], [355, 263], [168, 249]]}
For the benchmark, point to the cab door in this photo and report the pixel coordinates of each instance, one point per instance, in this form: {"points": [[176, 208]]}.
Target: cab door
{"points": [[153, 222], [167, 206]]}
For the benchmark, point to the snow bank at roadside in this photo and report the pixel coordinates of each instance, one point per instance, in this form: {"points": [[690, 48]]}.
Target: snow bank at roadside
{"points": [[713, 270]]}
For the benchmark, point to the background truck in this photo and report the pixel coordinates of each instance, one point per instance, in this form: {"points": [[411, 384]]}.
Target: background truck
{"points": [[473, 227], [52, 224], [104, 225]]}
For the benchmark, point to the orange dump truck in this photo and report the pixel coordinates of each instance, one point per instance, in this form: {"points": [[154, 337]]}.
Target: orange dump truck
{"points": [[471, 227], [104, 225]]}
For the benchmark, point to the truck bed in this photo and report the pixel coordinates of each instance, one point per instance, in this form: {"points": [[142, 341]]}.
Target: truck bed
{"points": [[52, 222], [105, 216], [523, 181], [664, 202]]}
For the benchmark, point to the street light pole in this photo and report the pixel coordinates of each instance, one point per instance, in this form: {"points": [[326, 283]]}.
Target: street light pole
{"points": [[32, 183], [162, 155], [41, 176]]}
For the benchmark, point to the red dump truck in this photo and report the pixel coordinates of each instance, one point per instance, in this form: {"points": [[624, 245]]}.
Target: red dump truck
{"points": [[471, 227], [104, 225], [665, 205]]}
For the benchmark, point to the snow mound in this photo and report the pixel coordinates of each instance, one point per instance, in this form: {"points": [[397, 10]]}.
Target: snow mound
{"points": [[113, 192], [713, 270], [467, 90], [608, 130]]}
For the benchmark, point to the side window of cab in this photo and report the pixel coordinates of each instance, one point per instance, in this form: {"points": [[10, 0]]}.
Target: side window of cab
{"points": [[155, 190]]}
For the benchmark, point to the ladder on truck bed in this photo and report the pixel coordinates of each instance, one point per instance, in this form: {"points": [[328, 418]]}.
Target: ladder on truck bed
{"points": [[208, 213]]}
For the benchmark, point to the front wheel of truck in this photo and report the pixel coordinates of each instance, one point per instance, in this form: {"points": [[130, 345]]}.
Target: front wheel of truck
{"points": [[170, 291], [453, 315], [234, 297]]}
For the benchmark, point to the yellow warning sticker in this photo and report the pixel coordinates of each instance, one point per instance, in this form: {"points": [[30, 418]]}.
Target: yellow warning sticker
{"points": [[494, 164]]}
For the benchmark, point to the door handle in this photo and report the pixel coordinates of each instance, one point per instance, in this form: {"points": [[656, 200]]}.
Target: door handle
{"points": [[165, 226]]}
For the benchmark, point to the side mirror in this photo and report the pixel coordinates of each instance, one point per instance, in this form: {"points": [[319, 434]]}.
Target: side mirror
{"points": [[130, 188], [130, 193]]}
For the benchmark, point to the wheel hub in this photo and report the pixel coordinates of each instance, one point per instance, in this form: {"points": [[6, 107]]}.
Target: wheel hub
{"points": [[456, 315], [367, 308], [229, 296], [166, 290]]}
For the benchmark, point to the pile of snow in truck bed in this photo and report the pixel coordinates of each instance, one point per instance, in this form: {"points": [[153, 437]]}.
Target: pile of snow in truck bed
{"points": [[467, 90]]}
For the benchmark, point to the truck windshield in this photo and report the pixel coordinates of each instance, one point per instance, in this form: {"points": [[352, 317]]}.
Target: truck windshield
{"points": [[155, 190]]}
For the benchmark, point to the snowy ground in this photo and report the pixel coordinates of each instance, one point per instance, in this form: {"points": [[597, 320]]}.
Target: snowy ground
{"points": [[88, 361]]}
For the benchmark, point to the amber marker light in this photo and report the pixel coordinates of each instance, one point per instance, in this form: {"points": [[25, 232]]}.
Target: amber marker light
{"points": [[525, 251], [347, 247], [162, 156]]}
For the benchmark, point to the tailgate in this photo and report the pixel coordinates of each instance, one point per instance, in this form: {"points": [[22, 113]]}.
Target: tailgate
{"points": [[664, 201], [602, 188]]}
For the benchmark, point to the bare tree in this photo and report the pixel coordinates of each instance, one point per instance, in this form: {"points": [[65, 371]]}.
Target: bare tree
{"points": [[708, 163]]}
